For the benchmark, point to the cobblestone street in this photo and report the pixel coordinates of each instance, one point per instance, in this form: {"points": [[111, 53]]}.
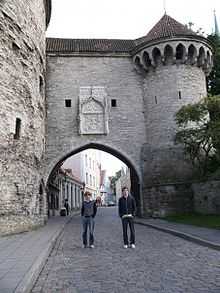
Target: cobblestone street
{"points": [[160, 262]]}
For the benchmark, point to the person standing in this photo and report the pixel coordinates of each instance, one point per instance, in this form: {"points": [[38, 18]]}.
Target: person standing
{"points": [[88, 213], [127, 211], [66, 205]]}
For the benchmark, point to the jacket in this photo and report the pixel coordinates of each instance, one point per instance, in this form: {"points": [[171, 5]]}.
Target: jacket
{"points": [[126, 206], [89, 208]]}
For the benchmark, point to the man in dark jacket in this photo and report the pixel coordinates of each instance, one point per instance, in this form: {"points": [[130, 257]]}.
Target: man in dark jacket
{"points": [[66, 205], [88, 213], [127, 211]]}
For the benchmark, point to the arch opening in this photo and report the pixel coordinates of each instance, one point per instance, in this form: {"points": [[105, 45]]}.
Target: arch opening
{"points": [[137, 62], [157, 56], [180, 53], [208, 58], [201, 58], [192, 54], [168, 55], [146, 59], [57, 192]]}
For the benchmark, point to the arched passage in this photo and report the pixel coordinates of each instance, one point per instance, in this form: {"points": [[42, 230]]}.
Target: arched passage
{"points": [[135, 177]]}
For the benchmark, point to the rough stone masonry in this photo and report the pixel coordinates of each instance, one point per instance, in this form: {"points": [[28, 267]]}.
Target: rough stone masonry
{"points": [[22, 114]]}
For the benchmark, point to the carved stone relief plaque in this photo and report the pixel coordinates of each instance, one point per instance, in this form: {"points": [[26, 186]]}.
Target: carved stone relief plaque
{"points": [[93, 111]]}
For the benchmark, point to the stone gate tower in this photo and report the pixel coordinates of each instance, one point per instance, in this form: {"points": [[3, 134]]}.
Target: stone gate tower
{"points": [[173, 62], [135, 86], [22, 112]]}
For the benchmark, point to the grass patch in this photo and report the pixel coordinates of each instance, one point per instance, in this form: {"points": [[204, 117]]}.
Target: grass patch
{"points": [[208, 221]]}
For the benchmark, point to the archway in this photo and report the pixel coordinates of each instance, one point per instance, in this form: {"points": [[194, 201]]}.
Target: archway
{"points": [[134, 176]]}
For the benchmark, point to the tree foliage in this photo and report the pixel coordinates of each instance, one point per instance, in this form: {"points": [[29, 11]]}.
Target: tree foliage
{"points": [[199, 132], [113, 180], [213, 80]]}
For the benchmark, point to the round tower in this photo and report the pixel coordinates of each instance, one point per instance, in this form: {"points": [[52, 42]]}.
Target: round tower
{"points": [[22, 113], [174, 62]]}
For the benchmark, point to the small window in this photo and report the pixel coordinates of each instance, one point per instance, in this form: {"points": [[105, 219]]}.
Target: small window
{"points": [[180, 95], [17, 128], [155, 98], [68, 103], [114, 103]]}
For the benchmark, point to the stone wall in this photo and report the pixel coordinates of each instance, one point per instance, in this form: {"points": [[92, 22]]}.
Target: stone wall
{"points": [[167, 199], [162, 99], [65, 76], [22, 101], [166, 90], [207, 197]]}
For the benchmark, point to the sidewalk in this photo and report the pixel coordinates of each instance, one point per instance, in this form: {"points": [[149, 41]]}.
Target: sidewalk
{"points": [[202, 236], [22, 256]]}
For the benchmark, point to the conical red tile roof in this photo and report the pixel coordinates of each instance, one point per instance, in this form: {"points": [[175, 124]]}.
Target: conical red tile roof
{"points": [[167, 27]]}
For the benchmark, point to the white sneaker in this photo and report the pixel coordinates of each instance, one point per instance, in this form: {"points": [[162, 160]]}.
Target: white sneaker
{"points": [[125, 246], [132, 245], [92, 246]]}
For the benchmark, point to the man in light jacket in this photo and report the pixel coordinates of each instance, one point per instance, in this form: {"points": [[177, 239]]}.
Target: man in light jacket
{"points": [[88, 213]]}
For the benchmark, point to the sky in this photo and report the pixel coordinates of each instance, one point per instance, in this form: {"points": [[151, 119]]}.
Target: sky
{"points": [[125, 19], [111, 164]]}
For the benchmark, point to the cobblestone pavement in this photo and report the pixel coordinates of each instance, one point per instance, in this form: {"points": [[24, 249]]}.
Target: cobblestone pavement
{"points": [[160, 263]]}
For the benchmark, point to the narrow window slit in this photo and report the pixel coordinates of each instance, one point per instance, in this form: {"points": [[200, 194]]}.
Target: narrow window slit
{"points": [[17, 128], [41, 84]]}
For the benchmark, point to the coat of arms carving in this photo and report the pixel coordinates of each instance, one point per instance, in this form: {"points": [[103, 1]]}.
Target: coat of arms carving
{"points": [[93, 110]]}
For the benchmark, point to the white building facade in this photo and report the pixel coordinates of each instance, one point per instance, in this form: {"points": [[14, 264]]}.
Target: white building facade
{"points": [[64, 186], [86, 165]]}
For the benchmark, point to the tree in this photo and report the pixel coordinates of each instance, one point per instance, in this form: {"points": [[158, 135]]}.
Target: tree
{"points": [[213, 80], [199, 132], [113, 180]]}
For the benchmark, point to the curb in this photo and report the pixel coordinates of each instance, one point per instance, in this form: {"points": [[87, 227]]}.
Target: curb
{"points": [[186, 236], [27, 283]]}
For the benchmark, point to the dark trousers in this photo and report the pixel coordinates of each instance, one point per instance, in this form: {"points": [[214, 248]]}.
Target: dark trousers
{"points": [[125, 222], [88, 222]]}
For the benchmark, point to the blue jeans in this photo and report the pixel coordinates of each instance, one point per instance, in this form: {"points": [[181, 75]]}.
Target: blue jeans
{"points": [[88, 222], [125, 223]]}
